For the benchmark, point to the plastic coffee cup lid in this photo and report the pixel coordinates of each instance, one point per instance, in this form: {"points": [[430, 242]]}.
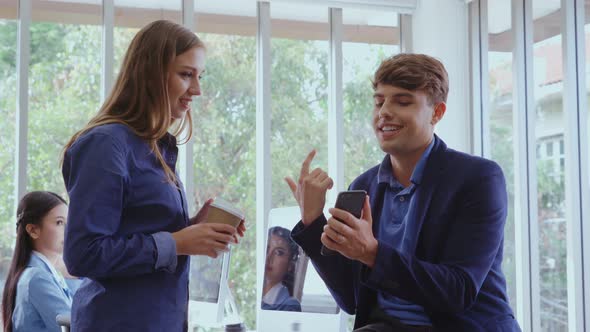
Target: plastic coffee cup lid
{"points": [[222, 204]]}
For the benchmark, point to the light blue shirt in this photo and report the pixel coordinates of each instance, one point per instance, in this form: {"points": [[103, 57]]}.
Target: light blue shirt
{"points": [[41, 295]]}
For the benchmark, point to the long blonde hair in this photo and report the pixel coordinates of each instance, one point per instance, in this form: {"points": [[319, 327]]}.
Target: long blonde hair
{"points": [[139, 98]]}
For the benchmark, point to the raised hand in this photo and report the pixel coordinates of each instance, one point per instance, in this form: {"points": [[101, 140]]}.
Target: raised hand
{"points": [[310, 190]]}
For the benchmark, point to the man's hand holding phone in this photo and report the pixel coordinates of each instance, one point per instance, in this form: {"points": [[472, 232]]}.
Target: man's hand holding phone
{"points": [[310, 190], [351, 236]]}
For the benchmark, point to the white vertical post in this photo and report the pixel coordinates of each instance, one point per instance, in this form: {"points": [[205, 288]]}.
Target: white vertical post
{"points": [[584, 155], [526, 223], [22, 95], [405, 33], [475, 40], [335, 116], [185, 151], [108, 22], [573, 105], [263, 121]]}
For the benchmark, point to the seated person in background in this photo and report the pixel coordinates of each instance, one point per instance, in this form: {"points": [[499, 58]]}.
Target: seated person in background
{"points": [[279, 272], [36, 291]]}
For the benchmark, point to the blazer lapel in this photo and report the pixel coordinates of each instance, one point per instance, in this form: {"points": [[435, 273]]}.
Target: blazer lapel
{"points": [[433, 172]]}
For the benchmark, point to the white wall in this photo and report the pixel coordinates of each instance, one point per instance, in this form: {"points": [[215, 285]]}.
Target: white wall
{"points": [[440, 29]]}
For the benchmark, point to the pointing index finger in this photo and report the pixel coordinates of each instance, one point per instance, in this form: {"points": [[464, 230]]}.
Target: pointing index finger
{"points": [[306, 163]]}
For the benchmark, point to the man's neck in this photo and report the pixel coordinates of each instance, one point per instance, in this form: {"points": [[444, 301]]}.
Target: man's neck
{"points": [[403, 165]]}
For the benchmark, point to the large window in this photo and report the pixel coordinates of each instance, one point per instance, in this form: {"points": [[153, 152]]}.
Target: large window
{"points": [[131, 15], [7, 143], [502, 132], [224, 118], [362, 55], [299, 85], [549, 131], [64, 87]]}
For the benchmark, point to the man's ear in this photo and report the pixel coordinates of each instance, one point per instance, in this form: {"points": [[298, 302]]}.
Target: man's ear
{"points": [[439, 112], [32, 230]]}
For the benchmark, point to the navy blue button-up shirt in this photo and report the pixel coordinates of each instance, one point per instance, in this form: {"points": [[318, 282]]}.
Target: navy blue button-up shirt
{"points": [[121, 214], [392, 226]]}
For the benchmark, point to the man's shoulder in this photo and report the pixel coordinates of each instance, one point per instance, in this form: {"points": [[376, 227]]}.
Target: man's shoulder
{"points": [[464, 163]]}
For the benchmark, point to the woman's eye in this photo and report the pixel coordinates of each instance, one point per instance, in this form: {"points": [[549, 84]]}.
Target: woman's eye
{"points": [[280, 253], [186, 74], [378, 105], [60, 222]]}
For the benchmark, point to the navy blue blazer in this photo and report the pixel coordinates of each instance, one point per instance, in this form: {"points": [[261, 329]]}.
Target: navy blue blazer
{"points": [[454, 271]]}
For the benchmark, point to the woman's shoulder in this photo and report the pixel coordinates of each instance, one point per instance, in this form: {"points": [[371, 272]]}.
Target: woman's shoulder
{"points": [[32, 275], [117, 131], [116, 134]]}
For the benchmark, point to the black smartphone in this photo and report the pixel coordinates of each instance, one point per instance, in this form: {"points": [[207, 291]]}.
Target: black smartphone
{"points": [[351, 201]]}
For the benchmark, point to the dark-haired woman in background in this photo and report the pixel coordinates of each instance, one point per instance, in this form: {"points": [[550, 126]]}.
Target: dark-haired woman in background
{"points": [[36, 291], [281, 256]]}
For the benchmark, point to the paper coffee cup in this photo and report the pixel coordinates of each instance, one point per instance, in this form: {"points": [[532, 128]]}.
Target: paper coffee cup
{"points": [[221, 211]]}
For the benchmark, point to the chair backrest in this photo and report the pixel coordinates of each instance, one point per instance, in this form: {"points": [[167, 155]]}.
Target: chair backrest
{"points": [[64, 322]]}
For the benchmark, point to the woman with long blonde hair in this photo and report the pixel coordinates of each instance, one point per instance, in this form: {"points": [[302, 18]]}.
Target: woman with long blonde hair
{"points": [[129, 232]]}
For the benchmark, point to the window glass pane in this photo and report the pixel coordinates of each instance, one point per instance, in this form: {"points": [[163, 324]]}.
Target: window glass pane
{"points": [[224, 122], [369, 37], [132, 15], [299, 100], [549, 130], [502, 132], [64, 84], [362, 54], [7, 143]]}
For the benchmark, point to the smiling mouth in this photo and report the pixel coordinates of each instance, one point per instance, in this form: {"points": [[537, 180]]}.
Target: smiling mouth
{"points": [[390, 129]]}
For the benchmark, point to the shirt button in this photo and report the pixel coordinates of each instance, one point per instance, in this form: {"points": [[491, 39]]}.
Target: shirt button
{"points": [[401, 199]]}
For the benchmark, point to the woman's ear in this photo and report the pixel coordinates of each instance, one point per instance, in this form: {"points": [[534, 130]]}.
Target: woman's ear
{"points": [[33, 231]]}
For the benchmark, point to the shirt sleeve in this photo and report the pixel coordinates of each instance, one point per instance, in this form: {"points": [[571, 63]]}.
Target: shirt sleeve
{"points": [[96, 175], [48, 299], [166, 251]]}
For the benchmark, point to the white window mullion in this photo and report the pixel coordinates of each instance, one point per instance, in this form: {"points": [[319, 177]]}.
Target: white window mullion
{"points": [[263, 122], [405, 35], [476, 67], [185, 151], [574, 106], [108, 22], [526, 224], [335, 116], [22, 103]]}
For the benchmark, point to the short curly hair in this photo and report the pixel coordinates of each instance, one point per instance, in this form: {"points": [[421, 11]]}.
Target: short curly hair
{"points": [[415, 72]]}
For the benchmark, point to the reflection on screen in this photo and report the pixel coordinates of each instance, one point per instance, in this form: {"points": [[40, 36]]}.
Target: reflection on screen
{"points": [[205, 275], [289, 285]]}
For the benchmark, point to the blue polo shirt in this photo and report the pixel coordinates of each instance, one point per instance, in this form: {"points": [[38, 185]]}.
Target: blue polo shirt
{"points": [[392, 226]]}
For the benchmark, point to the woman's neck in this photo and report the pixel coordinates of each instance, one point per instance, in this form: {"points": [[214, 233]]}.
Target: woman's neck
{"points": [[51, 256], [267, 287]]}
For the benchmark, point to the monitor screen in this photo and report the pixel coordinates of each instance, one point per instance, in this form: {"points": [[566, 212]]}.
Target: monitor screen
{"points": [[290, 281]]}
